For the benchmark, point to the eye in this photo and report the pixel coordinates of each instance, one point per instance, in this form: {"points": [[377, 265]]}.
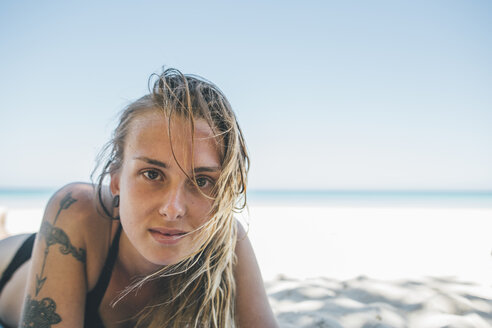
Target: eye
{"points": [[203, 182], [151, 174]]}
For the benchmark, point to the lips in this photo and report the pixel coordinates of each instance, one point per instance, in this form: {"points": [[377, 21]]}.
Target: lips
{"points": [[167, 236], [168, 232]]}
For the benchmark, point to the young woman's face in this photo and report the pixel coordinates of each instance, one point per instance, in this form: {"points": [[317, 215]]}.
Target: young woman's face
{"points": [[158, 202]]}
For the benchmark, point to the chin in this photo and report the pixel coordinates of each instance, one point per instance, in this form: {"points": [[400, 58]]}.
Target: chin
{"points": [[167, 260]]}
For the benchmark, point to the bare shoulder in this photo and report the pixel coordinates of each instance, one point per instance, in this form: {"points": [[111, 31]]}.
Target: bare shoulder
{"points": [[74, 211], [244, 249], [75, 206], [241, 232], [252, 306], [78, 198]]}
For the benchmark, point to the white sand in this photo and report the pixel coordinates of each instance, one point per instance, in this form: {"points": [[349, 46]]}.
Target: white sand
{"points": [[367, 302], [376, 267], [366, 267], [22, 220], [384, 243]]}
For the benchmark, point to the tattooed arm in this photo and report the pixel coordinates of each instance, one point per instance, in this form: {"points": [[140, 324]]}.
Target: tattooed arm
{"points": [[56, 285]]}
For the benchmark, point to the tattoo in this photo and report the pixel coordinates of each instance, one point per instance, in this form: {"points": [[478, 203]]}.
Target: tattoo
{"points": [[40, 314], [65, 203], [55, 235]]}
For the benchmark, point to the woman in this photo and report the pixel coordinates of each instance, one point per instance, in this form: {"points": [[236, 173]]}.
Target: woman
{"points": [[159, 247]]}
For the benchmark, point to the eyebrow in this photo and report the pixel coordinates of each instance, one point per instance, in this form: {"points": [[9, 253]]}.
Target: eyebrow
{"points": [[207, 169], [152, 161], [165, 166]]}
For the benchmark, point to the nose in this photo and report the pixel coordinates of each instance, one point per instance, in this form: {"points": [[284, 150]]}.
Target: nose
{"points": [[173, 204]]}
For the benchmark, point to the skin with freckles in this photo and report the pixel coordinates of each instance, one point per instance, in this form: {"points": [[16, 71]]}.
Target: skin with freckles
{"points": [[156, 196]]}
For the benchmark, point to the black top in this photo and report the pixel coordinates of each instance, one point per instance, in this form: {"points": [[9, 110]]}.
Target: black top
{"points": [[95, 296], [92, 319]]}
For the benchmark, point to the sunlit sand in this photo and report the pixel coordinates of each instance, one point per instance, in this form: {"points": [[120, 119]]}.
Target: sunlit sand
{"points": [[366, 267], [376, 267]]}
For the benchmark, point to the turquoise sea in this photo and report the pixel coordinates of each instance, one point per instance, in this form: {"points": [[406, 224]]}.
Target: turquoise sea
{"points": [[37, 198]]}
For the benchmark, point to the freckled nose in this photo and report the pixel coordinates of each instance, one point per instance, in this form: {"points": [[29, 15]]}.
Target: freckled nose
{"points": [[174, 204]]}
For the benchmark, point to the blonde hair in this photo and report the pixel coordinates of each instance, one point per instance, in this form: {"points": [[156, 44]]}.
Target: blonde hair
{"points": [[199, 291]]}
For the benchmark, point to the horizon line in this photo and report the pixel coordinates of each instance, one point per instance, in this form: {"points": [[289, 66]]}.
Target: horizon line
{"points": [[295, 190]]}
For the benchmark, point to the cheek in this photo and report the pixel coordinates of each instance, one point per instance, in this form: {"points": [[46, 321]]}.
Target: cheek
{"points": [[201, 209], [131, 197], [131, 186]]}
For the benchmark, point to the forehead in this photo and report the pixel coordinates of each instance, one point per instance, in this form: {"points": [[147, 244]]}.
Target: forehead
{"points": [[149, 133], [157, 120]]}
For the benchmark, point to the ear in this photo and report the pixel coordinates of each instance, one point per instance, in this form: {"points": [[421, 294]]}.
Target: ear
{"points": [[115, 182]]}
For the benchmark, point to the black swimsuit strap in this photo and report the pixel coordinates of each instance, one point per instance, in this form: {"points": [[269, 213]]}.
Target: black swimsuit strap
{"points": [[95, 296], [22, 255]]}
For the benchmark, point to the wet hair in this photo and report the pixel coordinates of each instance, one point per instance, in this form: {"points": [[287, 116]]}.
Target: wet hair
{"points": [[199, 291]]}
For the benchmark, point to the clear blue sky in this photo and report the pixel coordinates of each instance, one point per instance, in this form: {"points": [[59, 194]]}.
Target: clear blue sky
{"points": [[331, 95]]}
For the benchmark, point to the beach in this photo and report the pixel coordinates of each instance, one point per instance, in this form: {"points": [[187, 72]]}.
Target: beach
{"points": [[378, 266]]}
